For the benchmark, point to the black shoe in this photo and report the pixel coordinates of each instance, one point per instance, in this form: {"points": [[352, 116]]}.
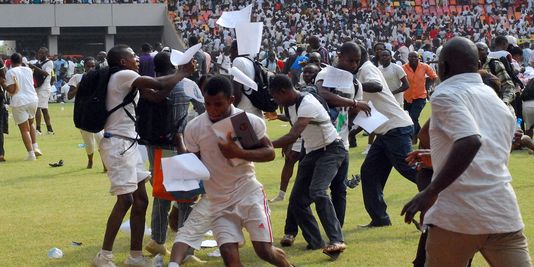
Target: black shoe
{"points": [[375, 225], [354, 182], [56, 164]]}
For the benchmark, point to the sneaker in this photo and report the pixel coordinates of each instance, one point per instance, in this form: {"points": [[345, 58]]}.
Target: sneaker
{"points": [[366, 150], [192, 259], [30, 157], [50, 133], [154, 248], [102, 261], [277, 199], [38, 152], [38, 132], [287, 240], [138, 262]]}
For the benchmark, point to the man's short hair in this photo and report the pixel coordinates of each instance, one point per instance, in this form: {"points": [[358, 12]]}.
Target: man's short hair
{"points": [[146, 47], [218, 84], [280, 82], [162, 62], [501, 41], [87, 59], [115, 55], [16, 58], [193, 40]]}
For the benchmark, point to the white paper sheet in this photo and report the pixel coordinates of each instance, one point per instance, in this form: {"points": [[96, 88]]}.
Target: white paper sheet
{"points": [[230, 19], [372, 122], [183, 167], [249, 37], [192, 91], [208, 244], [243, 79], [172, 185], [178, 58], [337, 78], [125, 227]]}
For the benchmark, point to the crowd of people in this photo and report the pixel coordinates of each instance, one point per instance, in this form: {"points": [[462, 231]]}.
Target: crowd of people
{"points": [[481, 108], [288, 23]]}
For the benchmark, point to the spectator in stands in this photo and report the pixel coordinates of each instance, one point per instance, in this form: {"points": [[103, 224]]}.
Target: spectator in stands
{"points": [[415, 96]]}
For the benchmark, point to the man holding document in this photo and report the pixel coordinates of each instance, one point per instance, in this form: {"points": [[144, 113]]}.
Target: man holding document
{"points": [[237, 198], [392, 145]]}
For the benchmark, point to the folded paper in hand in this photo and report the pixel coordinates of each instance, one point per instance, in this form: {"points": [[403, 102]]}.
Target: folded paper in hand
{"points": [[337, 78], [370, 123], [183, 167], [243, 79], [178, 58], [230, 19]]}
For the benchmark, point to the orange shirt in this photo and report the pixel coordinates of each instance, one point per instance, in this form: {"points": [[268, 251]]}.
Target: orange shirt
{"points": [[417, 81]]}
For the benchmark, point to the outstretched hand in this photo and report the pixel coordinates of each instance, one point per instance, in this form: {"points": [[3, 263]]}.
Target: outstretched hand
{"points": [[230, 149], [189, 68]]}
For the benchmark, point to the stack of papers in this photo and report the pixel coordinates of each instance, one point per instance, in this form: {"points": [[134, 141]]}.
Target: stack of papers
{"points": [[337, 78], [178, 58], [183, 172], [249, 34]]}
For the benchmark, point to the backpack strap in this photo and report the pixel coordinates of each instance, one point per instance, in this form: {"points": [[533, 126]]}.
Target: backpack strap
{"points": [[129, 98]]}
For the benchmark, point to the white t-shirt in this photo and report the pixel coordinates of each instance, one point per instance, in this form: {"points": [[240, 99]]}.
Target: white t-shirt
{"points": [[315, 136], [342, 121], [228, 184], [71, 67], [384, 101], [119, 86], [26, 93], [499, 54], [225, 63], [48, 67], [393, 74], [247, 67], [75, 80], [481, 200]]}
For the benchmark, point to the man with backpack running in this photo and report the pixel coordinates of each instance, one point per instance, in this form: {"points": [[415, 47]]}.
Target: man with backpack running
{"points": [[119, 148]]}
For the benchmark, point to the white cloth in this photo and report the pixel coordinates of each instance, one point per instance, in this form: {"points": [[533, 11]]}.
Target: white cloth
{"points": [[481, 200], [119, 86], [71, 68], [228, 184], [342, 121], [75, 80], [26, 93], [499, 54], [393, 74], [247, 67], [315, 136], [384, 101]]}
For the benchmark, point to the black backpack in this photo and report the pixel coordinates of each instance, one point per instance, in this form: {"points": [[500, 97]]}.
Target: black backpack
{"points": [[90, 112], [509, 69], [321, 100], [261, 98], [38, 78], [155, 122]]}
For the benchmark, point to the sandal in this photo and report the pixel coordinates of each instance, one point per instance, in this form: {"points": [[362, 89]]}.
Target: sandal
{"points": [[56, 164]]}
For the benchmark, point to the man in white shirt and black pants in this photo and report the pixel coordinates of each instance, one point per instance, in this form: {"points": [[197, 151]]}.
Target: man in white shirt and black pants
{"points": [[470, 205], [392, 144], [325, 162]]}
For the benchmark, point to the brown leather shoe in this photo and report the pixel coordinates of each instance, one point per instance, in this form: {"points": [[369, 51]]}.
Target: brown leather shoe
{"points": [[287, 240]]}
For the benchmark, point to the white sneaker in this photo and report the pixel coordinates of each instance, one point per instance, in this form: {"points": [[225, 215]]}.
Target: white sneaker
{"points": [[366, 150], [102, 261], [37, 152], [50, 133], [37, 132], [277, 199], [30, 157], [138, 262]]}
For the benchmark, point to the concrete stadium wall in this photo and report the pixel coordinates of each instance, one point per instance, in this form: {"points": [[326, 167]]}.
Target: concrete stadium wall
{"points": [[82, 15]]}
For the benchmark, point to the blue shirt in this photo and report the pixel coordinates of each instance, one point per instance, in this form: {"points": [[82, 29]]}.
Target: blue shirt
{"points": [[296, 64]]}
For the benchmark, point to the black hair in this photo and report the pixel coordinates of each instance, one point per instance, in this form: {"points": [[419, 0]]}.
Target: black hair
{"points": [[89, 59], [203, 79], [377, 44], [146, 47], [162, 63], [349, 47], [16, 58], [115, 55], [501, 40], [193, 40], [386, 50], [280, 82], [218, 84], [514, 50]]}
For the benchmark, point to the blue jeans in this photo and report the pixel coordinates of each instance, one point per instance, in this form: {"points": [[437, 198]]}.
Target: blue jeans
{"points": [[414, 109], [388, 150], [318, 171]]}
